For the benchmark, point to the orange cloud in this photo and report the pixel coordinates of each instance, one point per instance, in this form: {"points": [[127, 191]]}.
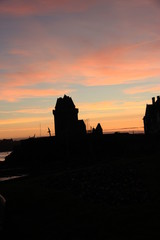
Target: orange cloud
{"points": [[143, 89], [35, 111], [119, 122], [118, 111], [25, 127], [13, 94], [114, 116], [133, 124], [22, 120], [29, 110]]}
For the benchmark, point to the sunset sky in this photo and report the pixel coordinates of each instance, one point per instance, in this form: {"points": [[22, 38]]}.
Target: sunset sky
{"points": [[105, 54]]}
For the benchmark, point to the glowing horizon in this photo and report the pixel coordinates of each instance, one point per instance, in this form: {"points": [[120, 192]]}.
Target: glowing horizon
{"points": [[104, 54]]}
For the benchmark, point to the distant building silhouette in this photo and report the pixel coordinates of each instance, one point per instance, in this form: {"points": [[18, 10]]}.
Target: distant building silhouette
{"points": [[66, 119], [152, 117], [98, 130]]}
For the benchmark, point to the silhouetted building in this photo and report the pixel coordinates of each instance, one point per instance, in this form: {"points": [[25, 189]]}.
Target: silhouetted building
{"points": [[81, 127], [98, 130], [152, 117], [66, 119]]}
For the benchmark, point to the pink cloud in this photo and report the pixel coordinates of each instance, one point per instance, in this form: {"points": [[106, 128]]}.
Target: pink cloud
{"points": [[106, 66], [119, 64], [20, 52], [27, 7]]}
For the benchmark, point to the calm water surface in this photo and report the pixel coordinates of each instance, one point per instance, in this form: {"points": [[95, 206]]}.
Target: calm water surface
{"points": [[2, 179], [3, 155], [5, 178]]}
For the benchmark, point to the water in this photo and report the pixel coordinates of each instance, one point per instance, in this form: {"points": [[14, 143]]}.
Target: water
{"points": [[2, 179], [2, 172], [3, 155]]}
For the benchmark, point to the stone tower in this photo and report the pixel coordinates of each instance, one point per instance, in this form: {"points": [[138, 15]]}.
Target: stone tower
{"points": [[66, 118], [152, 117]]}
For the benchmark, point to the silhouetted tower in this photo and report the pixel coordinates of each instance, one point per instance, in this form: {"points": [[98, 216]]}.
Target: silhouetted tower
{"points": [[99, 129], [152, 117], [65, 117]]}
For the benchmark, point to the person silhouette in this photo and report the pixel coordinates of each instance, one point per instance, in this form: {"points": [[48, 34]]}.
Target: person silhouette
{"points": [[49, 131]]}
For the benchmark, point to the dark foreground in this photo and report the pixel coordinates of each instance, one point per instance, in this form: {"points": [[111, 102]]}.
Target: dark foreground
{"points": [[112, 196]]}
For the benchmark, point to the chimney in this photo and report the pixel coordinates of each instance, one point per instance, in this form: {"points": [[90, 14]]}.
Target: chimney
{"points": [[153, 100]]}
